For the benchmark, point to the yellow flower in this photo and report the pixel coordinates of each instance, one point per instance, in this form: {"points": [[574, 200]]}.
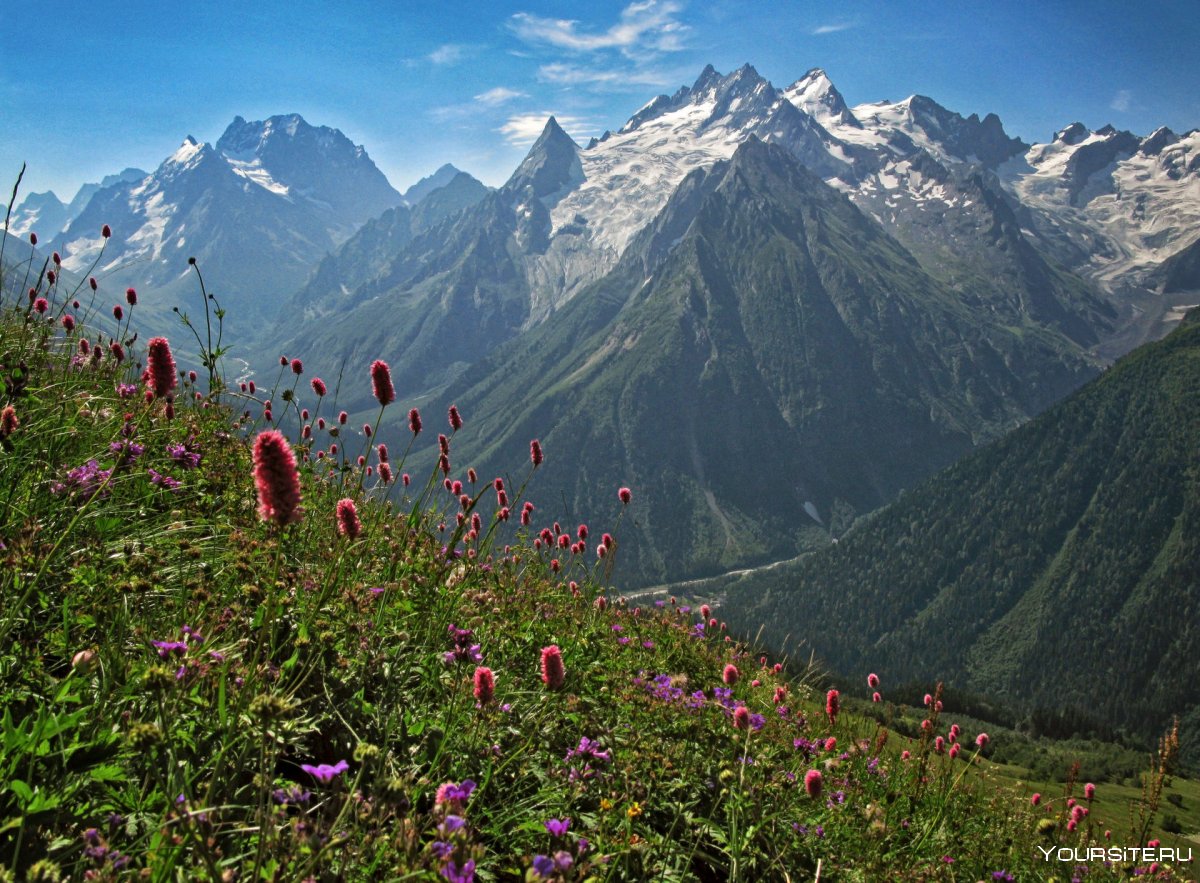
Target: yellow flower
{"points": [[605, 804], [635, 810]]}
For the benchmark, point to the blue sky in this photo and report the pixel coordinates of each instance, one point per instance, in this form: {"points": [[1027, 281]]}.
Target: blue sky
{"points": [[89, 88]]}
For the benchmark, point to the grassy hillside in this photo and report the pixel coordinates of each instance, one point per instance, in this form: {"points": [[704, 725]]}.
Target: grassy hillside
{"points": [[1058, 569], [199, 680]]}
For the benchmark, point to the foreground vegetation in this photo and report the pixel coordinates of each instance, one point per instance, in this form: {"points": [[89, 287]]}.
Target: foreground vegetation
{"points": [[226, 653]]}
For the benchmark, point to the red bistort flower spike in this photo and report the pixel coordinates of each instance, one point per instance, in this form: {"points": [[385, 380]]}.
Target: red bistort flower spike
{"points": [[131, 297], [381, 383], [318, 386], [347, 517], [161, 366], [276, 478], [625, 495], [297, 367], [455, 419], [105, 231], [414, 421], [535, 453], [485, 684], [553, 674], [832, 706]]}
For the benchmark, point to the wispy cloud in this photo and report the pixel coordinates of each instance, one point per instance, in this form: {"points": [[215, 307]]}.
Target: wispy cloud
{"points": [[643, 29], [573, 75], [832, 28], [1122, 100], [523, 129], [448, 53], [498, 96]]}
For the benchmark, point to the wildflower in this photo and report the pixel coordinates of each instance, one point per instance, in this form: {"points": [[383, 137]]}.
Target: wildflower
{"points": [[832, 706], [830, 743], [381, 383], [118, 312], [325, 773], [741, 718], [8, 421], [872, 680], [875, 697], [625, 495], [730, 674], [453, 798], [343, 417], [812, 783], [88, 481], [166, 482], [455, 874], [535, 453], [981, 741], [1089, 791], [553, 674], [347, 518], [161, 367], [485, 684], [385, 473], [939, 745], [41, 305], [954, 750], [131, 297], [84, 661], [318, 386], [297, 367], [367, 430], [92, 283], [455, 419], [276, 479], [543, 866], [462, 648], [105, 231], [558, 827], [68, 322], [32, 238], [1036, 799]]}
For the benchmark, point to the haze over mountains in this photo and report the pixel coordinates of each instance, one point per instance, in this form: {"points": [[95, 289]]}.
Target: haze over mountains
{"points": [[871, 291]]}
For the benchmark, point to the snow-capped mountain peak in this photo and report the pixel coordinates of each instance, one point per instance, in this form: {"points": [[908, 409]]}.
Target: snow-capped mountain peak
{"points": [[815, 94]]}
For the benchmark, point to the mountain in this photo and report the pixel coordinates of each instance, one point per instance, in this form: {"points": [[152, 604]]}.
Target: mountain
{"points": [[1114, 205], [257, 210], [762, 351], [443, 176], [47, 215], [1057, 568]]}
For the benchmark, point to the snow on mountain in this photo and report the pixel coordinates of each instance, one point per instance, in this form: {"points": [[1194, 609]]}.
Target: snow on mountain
{"points": [[47, 215], [1124, 203]]}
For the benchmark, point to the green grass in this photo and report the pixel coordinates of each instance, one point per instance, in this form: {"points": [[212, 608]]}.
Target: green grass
{"points": [[281, 648]]}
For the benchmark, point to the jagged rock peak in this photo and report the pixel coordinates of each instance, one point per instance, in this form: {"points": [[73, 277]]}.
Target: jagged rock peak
{"points": [[1072, 134]]}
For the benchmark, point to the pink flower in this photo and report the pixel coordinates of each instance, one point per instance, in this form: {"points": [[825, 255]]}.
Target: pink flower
{"points": [[161, 366], [1036, 799], [8, 421], [347, 518], [954, 750], [385, 473], [625, 495], [741, 718], [830, 743], [118, 312], [875, 697], [872, 680], [131, 297], [68, 322], [381, 382], [535, 453], [41, 305], [832, 706], [553, 674], [812, 783], [1089, 791], [939, 745], [455, 419], [730, 674], [276, 479], [485, 684], [105, 231], [318, 386], [981, 741]]}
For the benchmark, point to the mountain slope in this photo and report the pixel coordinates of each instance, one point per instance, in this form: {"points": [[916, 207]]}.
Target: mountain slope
{"points": [[257, 211], [763, 348], [1082, 524], [46, 215]]}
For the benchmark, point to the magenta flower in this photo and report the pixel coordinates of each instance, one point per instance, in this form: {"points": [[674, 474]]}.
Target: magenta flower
{"points": [[812, 783], [381, 382], [625, 495], [325, 773], [161, 367], [276, 478], [347, 518], [553, 673], [456, 421], [535, 453], [318, 386]]}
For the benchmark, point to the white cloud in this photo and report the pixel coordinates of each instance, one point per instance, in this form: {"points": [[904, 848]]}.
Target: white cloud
{"points": [[523, 129], [831, 28], [498, 96], [1122, 100], [644, 27], [448, 53], [572, 75]]}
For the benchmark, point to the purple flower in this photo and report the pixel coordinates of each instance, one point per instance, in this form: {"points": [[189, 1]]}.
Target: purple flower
{"points": [[558, 827], [455, 874], [563, 860], [442, 849], [463, 650], [126, 390], [166, 482], [323, 772], [166, 648], [451, 823], [126, 451], [181, 455], [294, 795], [543, 866], [88, 481]]}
